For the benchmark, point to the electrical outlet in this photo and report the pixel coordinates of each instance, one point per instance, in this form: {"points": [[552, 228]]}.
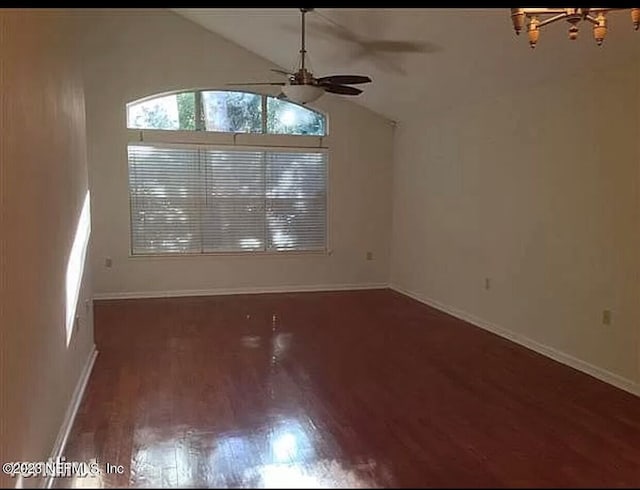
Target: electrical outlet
{"points": [[487, 283], [108, 262], [369, 255], [606, 317]]}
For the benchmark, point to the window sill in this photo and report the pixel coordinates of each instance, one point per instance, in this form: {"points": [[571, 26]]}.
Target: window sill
{"points": [[293, 253]]}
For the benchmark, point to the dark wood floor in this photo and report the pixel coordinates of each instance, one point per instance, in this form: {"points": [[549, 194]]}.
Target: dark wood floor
{"points": [[348, 389]]}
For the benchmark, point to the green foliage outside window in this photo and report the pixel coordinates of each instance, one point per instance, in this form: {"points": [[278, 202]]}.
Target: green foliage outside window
{"points": [[225, 111], [187, 110]]}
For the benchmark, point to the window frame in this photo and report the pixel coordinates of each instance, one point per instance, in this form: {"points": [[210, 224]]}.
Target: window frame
{"points": [[199, 113], [224, 140]]}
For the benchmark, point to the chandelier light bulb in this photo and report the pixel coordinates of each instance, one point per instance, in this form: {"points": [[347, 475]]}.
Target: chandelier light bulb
{"points": [[600, 29], [534, 32], [519, 18], [635, 18]]}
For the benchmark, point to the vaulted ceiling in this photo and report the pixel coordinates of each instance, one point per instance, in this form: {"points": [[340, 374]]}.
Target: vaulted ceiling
{"points": [[444, 57]]}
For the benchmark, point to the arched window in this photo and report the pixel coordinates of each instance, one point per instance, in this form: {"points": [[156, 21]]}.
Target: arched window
{"points": [[224, 111], [217, 177]]}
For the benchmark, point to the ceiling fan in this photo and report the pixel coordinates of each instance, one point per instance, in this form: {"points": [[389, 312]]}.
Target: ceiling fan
{"points": [[303, 87]]}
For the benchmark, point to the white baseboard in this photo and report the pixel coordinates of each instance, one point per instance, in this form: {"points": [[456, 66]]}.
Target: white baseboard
{"points": [[555, 354], [72, 410], [240, 290]]}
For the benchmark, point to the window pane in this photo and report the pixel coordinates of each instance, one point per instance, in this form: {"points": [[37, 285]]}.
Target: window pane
{"points": [[174, 112], [237, 112], [233, 213], [296, 174], [296, 224], [164, 186], [296, 200], [187, 111], [286, 118]]}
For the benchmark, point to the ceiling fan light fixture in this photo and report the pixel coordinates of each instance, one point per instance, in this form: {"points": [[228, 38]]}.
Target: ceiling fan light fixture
{"points": [[302, 94]]}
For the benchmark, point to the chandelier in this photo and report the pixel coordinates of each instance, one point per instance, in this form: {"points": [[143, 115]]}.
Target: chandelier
{"points": [[536, 19]]}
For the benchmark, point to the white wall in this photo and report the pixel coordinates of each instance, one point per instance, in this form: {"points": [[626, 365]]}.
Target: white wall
{"points": [[538, 191], [43, 180], [134, 54]]}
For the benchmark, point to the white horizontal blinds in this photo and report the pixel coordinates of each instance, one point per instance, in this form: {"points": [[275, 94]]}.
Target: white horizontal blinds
{"points": [[165, 189], [233, 210], [296, 200], [203, 199]]}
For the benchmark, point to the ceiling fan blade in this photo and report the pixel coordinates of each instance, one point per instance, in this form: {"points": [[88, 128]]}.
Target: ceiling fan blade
{"points": [[341, 89], [370, 45], [344, 79], [256, 83], [390, 46], [283, 72]]}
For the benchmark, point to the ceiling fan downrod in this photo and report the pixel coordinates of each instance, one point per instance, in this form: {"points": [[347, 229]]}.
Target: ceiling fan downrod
{"points": [[303, 75]]}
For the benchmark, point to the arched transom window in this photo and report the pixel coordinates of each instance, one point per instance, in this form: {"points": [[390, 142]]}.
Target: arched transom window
{"points": [[215, 171], [224, 111]]}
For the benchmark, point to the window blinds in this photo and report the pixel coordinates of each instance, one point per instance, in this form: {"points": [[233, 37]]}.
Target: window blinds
{"points": [[201, 200]]}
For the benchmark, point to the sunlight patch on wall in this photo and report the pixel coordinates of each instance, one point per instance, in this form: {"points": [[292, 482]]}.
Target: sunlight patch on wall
{"points": [[75, 266]]}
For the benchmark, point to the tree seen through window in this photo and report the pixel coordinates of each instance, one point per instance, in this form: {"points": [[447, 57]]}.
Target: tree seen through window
{"points": [[224, 111]]}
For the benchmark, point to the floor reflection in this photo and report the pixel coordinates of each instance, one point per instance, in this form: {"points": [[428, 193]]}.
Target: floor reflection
{"points": [[89, 481], [279, 455], [234, 409], [318, 474], [154, 462]]}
